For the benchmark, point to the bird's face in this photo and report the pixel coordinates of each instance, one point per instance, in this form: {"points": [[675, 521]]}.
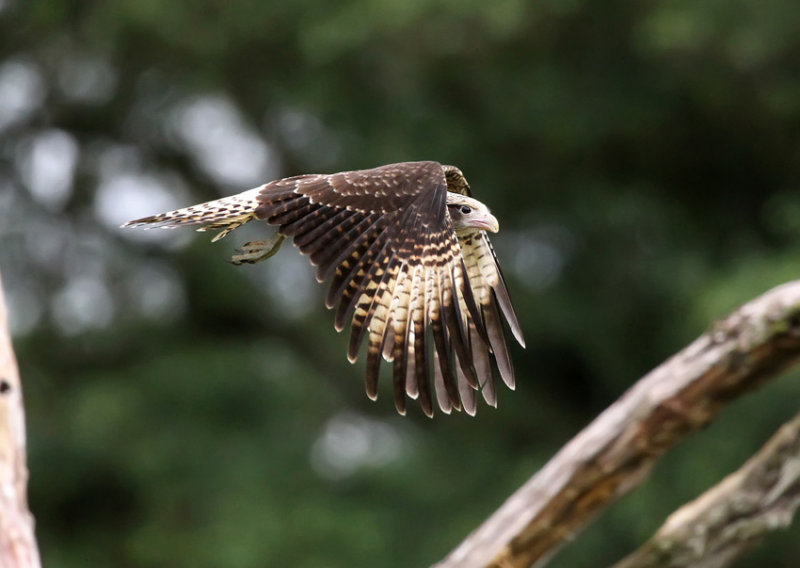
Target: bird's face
{"points": [[468, 214]]}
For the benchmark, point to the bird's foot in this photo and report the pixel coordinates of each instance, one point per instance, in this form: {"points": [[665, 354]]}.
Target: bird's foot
{"points": [[256, 251]]}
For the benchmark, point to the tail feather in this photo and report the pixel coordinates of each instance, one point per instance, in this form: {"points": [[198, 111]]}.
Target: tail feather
{"points": [[227, 214]]}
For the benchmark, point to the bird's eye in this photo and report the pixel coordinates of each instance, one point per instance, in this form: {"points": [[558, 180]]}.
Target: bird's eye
{"points": [[466, 209]]}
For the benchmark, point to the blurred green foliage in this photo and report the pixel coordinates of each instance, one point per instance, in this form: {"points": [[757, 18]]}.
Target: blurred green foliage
{"points": [[643, 159]]}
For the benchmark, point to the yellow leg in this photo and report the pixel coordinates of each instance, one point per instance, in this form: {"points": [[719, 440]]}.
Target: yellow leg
{"points": [[256, 251]]}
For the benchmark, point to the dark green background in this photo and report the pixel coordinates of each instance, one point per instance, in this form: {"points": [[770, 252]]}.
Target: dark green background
{"points": [[643, 159]]}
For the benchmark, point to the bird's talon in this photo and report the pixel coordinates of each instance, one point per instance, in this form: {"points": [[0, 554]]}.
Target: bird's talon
{"points": [[256, 251]]}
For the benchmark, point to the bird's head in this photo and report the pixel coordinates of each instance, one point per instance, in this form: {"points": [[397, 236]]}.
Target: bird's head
{"points": [[468, 214]]}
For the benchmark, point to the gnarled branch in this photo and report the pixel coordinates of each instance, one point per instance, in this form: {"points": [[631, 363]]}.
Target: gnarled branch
{"points": [[733, 516], [17, 541], [614, 453]]}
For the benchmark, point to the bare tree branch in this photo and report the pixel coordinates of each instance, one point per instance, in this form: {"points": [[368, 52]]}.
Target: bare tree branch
{"points": [[17, 541], [731, 518], [615, 452]]}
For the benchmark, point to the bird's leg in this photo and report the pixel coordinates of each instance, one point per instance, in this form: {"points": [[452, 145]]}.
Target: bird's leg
{"points": [[256, 251]]}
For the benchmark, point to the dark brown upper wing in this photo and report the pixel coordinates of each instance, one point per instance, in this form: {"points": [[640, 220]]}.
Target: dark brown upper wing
{"points": [[384, 239]]}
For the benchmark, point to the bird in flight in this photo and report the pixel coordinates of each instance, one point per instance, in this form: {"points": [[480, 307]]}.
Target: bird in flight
{"points": [[405, 249]]}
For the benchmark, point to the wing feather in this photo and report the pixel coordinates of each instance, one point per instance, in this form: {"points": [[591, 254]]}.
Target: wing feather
{"points": [[456, 318], [315, 235], [436, 317], [494, 328], [329, 258], [467, 392], [377, 321], [483, 366], [292, 212], [443, 396], [348, 261], [421, 378], [360, 282], [381, 307], [410, 380], [503, 299], [401, 304]]}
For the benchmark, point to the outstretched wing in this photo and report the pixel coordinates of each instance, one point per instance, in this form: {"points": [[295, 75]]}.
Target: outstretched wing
{"points": [[385, 241]]}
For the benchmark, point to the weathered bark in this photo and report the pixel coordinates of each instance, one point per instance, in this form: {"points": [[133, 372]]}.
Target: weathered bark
{"points": [[615, 452], [17, 541], [734, 516]]}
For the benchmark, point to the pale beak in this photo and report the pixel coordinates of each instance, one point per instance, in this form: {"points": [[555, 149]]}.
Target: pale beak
{"points": [[487, 222]]}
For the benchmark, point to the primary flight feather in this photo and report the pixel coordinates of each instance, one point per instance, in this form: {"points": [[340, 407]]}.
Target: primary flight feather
{"points": [[405, 249]]}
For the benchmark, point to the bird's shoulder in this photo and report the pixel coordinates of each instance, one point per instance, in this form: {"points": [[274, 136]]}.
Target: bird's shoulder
{"points": [[386, 188]]}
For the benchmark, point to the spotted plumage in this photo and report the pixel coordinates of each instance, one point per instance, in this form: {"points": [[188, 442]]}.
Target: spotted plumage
{"points": [[405, 249]]}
